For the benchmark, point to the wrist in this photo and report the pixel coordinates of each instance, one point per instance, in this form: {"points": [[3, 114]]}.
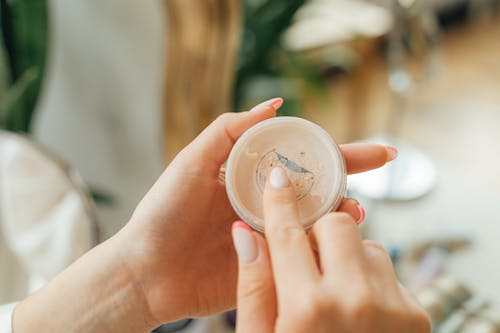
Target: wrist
{"points": [[97, 293], [132, 262], [157, 274], [145, 267]]}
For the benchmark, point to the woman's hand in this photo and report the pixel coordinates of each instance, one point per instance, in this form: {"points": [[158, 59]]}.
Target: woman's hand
{"points": [[349, 285], [178, 242], [175, 257]]}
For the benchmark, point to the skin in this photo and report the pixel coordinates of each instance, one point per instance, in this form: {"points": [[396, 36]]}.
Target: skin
{"points": [[349, 285], [174, 258]]}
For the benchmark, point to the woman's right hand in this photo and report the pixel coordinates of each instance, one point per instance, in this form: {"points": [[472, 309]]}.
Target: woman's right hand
{"points": [[348, 286]]}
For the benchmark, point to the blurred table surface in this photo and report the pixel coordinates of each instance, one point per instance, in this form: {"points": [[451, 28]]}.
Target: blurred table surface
{"points": [[454, 118], [456, 206]]}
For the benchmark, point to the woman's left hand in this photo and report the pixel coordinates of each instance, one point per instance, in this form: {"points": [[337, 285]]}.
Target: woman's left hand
{"points": [[178, 242]]}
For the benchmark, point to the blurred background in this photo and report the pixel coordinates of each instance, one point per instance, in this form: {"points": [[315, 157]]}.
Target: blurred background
{"points": [[97, 96]]}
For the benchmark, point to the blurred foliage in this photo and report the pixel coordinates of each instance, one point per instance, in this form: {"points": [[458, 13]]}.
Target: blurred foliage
{"points": [[102, 197], [265, 69], [23, 50]]}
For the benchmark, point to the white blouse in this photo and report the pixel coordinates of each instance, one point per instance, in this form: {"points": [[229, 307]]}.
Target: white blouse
{"points": [[6, 317]]}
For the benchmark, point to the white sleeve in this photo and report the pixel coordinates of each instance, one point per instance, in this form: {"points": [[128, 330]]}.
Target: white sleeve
{"points": [[6, 317]]}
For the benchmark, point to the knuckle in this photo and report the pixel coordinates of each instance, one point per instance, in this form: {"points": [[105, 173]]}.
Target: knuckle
{"points": [[374, 245], [365, 307], [339, 217], [307, 308], [314, 307], [285, 232], [396, 314], [421, 321], [253, 291], [222, 124], [224, 118], [327, 306], [253, 286], [376, 250]]}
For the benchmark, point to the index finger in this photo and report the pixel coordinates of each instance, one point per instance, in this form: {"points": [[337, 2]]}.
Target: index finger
{"points": [[292, 257]]}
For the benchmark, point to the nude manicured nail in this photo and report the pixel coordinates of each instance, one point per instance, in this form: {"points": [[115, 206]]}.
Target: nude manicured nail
{"points": [[278, 178], [244, 242], [392, 153], [362, 214], [275, 103]]}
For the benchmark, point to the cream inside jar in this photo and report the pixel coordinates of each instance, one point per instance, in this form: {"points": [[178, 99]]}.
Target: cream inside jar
{"points": [[308, 154]]}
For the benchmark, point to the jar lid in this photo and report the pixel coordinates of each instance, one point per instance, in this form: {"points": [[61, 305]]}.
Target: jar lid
{"points": [[310, 157]]}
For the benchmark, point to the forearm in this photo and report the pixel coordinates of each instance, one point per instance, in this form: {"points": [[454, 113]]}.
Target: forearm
{"points": [[95, 294]]}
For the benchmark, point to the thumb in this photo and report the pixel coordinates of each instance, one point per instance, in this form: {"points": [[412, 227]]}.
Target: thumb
{"points": [[256, 294], [210, 149]]}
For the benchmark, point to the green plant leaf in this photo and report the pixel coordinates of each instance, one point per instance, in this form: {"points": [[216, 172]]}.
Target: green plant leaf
{"points": [[265, 21], [24, 34], [12, 100]]}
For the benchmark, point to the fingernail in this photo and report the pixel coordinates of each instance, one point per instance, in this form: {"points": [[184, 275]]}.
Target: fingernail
{"points": [[278, 178], [362, 214], [244, 242], [275, 103], [392, 152]]}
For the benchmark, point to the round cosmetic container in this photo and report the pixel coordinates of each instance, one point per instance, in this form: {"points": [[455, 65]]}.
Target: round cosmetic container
{"points": [[312, 160]]}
